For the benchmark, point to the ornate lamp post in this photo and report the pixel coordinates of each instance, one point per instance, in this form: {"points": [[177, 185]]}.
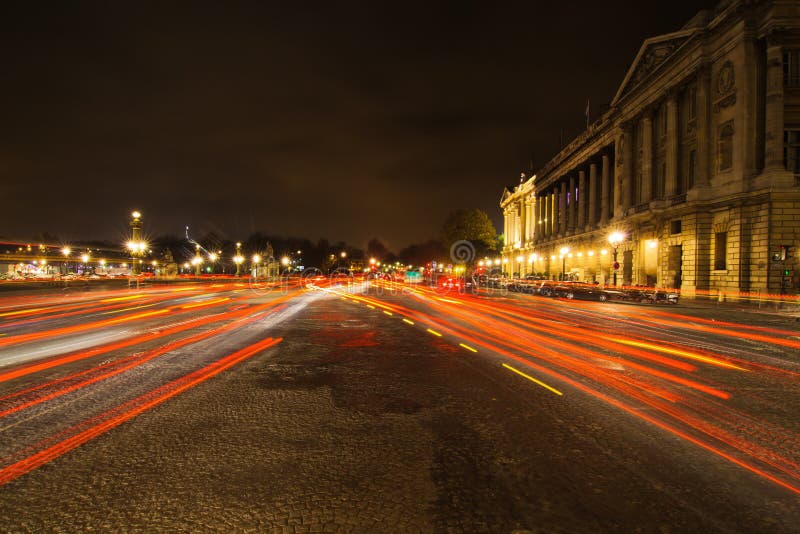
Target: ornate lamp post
{"points": [[564, 251], [197, 261], [615, 239], [66, 251], [136, 245], [238, 259]]}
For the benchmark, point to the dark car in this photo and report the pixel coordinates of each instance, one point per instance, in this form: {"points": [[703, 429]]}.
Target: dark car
{"points": [[462, 285], [580, 292], [545, 288], [651, 295]]}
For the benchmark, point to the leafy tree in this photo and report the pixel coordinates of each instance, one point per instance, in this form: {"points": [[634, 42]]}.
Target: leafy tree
{"points": [[376, 249], [472, 225], [422, 253]]}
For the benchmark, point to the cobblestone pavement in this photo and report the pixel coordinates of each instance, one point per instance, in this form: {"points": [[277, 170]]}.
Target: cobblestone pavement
{"points": [[359, 422]]}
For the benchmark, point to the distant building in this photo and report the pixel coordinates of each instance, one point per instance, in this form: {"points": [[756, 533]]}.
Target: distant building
{"points": [[697, 162]]}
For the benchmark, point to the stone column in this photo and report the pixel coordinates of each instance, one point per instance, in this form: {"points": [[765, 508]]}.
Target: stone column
{"points": [[773, 142], [572, 205], [592, 219], [581, 200], [703, 162], [505, 225], [625, 183], [647, 157], [541, 201], [671, 179], [605, 186], [553, 222], [562, 209]]}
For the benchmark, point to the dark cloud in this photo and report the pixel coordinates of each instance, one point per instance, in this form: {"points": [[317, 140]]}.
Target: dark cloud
{"points": [[341, 120]]}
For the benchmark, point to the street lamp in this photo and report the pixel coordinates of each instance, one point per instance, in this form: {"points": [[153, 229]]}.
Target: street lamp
{"points": [[563, 251], [197, 260], [136, 245], [615, 239], [66, 251], [238, 259]]}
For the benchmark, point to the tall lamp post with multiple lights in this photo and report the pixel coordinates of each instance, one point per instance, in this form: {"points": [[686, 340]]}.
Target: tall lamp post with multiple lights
{"points": [[564, 251], [197, 260], [238, 259], [136, 245], [615, 239], [66, 251]]}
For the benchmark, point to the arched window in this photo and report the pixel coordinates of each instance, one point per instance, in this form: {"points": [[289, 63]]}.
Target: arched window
{"points": [[726, 147]]}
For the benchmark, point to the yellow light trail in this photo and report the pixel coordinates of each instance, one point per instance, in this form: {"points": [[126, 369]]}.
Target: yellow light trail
{"points": [[128, 309], [204, 303], [370, 306], [677, 352], [27, 310], [434, 332], [408, 321], [387, 312], [467, 347], [538, 382], [117, 299]]}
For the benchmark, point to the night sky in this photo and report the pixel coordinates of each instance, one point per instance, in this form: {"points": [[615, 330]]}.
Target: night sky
{"points": [[344, 121]]}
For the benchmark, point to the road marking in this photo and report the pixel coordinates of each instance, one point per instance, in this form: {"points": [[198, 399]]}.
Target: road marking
{"points": [[467, 347], [408, 321], [538, 382], [434, 332]]}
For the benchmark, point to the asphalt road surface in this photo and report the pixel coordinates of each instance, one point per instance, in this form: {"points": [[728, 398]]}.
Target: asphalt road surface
{"points": [[318, 407]]}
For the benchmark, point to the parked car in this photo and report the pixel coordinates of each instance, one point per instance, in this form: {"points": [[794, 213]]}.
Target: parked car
{"points": [[575, 290], [651, 295]]}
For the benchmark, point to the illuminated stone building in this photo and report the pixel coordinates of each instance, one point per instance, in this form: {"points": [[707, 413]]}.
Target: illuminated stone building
{"points": [[697, 162]]}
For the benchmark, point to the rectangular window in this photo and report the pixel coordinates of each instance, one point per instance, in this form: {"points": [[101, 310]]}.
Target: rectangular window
{"points": [[791, 150], [675, 227], [692, 167], [791, 67], [720, 251]]}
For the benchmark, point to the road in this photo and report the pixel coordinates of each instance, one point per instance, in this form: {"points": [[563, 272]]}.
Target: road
{"points": [[382, 407]]}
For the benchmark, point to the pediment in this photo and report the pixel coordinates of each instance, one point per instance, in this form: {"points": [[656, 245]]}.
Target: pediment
{"points": [[507, 192], [653, 53]]}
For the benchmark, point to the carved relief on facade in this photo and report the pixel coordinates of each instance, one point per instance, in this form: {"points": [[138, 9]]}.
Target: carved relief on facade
{"points": [[653, 57], [725, 87]]}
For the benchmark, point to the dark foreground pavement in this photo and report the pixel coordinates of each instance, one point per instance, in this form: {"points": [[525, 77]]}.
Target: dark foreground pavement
{"points": [[360, 422]]}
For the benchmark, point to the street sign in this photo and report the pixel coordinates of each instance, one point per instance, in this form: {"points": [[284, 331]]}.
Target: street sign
{"points": [[616, 265]]}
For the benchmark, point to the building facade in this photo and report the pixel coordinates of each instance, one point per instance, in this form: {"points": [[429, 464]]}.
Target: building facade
{"points": [[696, 164]]}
